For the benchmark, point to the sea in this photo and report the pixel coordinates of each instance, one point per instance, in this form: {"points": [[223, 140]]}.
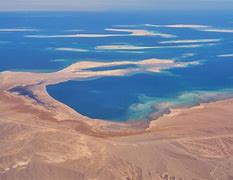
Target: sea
{"points": [[45, 42]]}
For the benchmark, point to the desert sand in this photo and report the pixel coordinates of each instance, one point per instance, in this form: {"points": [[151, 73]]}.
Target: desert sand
{"points": [[42, 138]]}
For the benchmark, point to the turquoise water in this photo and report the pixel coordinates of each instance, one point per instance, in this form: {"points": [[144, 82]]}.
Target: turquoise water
{"points": [[130, 97]]}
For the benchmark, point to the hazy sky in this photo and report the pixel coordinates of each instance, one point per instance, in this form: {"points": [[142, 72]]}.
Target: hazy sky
{"points": [[100, 5]]}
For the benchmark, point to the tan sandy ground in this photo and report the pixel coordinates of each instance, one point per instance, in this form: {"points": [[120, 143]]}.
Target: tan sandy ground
{"points": [[48, 140]]}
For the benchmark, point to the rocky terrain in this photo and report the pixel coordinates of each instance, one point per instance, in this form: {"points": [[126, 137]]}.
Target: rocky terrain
{"points": [[42, 138]]}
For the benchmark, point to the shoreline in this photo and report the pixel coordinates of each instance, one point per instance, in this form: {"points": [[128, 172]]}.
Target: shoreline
{"points": [[189, 143], [39, 81], [155, 115]]}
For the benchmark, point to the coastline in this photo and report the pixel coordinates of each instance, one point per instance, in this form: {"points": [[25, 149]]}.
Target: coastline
{"points": [[80, 70], [205, 98], [52, 137]]}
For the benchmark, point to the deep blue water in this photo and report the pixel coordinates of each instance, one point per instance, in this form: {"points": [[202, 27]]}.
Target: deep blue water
{"points": [[121, 98], [114, 97]]}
